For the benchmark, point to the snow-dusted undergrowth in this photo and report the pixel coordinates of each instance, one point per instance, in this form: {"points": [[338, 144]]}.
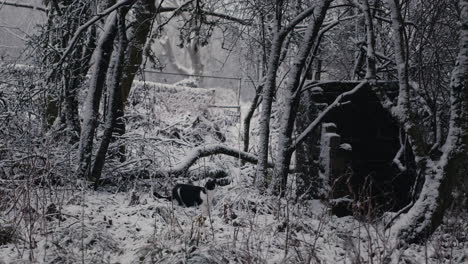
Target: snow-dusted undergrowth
{"points": [[242, 226], [48, 223]]}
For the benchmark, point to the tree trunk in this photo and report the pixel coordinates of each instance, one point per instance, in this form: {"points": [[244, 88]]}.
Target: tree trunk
{"points": [[270, 89], [307, 152], [248, 117], [112, 89], [370, 40], [440, 175], [267, 95], [91, 108], [292, 97], [403, 112], [139, 29]]}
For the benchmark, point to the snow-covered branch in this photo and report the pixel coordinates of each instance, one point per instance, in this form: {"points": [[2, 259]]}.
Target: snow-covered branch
{"points": [[228, 17], [298, 19], [209, 150], [338, 101]]}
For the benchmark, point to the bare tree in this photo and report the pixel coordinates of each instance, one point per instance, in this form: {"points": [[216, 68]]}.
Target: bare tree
{"points": [[113, 94], [292, 94], [137, 34], [91, 108], [269, 89]]}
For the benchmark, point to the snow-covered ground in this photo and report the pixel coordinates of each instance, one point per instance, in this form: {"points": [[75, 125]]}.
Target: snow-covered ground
{"points": [[241, 226]]}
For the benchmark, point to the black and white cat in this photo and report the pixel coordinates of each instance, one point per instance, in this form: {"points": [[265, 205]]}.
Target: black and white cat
{"points": [[191, 195]]}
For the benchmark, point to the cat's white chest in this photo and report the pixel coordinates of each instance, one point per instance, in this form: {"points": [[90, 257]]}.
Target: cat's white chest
{"points": [[207, 198]]}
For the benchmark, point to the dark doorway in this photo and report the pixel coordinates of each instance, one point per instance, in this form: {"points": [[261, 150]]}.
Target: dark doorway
{"points": [[375, 140]]}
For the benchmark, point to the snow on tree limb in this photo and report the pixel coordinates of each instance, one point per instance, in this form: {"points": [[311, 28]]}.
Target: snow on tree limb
{"points": [[205, 151], [338, 101]]}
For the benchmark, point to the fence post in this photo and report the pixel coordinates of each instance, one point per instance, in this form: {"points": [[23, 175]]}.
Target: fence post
{"points": [[329, 145]]}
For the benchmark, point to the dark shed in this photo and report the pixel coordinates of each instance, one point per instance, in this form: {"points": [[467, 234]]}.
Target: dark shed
{"points": [[375, 138]]}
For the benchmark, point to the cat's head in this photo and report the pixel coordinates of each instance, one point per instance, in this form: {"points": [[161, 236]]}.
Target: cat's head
{"points": [[210, 185]]}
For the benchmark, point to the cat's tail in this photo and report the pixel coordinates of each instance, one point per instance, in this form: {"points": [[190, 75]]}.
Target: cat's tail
{"points": [[157, 195]]}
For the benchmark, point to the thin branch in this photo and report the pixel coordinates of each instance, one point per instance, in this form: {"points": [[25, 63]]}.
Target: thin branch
{"points": [[38, 8], [228, 17], [390, 21], [298, 19], [396, 159]]}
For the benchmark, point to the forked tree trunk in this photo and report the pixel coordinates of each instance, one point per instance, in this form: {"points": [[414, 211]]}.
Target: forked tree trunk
{"points": [[292, 97], [91, 107], [270, 89], [113, 93], [139, 29]]}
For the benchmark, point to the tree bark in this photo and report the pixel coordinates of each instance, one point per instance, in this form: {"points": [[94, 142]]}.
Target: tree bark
{"points": [[270, 89], [370, 39], [248, 117], [292, 97], [113, 93], [137, 35], [91, 107]]}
